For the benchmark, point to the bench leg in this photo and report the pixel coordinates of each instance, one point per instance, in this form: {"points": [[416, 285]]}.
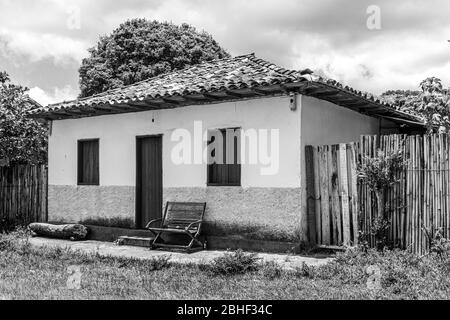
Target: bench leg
{"points": [[189, 248], [194, 239], [157, 236]]}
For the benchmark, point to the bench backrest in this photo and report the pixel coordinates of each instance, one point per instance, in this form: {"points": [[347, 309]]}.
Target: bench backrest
{"points": [[182, 214]]}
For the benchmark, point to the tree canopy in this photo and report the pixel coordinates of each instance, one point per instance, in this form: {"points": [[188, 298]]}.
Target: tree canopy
{"points": [[139, 49], [432, 103], [22, 140]]}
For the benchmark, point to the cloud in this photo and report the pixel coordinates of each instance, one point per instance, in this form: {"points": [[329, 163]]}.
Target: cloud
{"points": [[328, 36], [56, 95], [33, 47]]}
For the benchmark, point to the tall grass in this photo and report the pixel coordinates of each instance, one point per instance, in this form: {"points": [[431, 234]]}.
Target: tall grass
{"points": [[28, 272]]}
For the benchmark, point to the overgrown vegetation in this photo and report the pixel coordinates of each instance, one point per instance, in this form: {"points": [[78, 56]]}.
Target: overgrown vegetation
{"points": [[437, 243], [8, 224], [28, 272], [22, 140], [380, 173], [237, 262], [432, 103]]}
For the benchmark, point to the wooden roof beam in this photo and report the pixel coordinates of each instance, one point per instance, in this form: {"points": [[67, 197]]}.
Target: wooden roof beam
{"points": [[144, 105], [153, 103], [344, 101], [358, 105], [416, 123], [259, 92], [132, 107], [325, 93], [195, 99], [101, 110], [61, 114], [172, 101], [236, 94], [211, 96], [264, 92], [71, 112]]}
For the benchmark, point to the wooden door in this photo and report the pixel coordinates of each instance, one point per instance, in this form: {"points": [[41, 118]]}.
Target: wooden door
{"points": [[148, 179]]}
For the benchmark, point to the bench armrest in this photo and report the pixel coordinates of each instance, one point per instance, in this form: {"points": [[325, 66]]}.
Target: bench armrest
{"points": [[151, 222], [194, 223]]}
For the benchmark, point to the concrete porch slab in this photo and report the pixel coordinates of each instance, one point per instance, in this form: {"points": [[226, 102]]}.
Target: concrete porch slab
{"points": [[287, 262]]}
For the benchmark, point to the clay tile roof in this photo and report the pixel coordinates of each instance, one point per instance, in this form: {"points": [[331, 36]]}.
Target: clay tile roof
{"points": [[240, 73]]}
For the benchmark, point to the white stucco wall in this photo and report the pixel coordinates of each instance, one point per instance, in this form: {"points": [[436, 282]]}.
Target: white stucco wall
{"points": [[326, 123], [117, 134]]}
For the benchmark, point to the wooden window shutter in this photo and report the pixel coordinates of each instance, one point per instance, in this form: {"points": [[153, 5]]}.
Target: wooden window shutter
{"points": [[88, 162]]}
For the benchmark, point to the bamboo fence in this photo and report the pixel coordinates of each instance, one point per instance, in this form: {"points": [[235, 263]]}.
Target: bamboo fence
{"points": [[23, 194], [417, 204]]}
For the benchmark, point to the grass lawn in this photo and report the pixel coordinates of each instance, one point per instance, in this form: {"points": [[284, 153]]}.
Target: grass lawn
{"points": [[31, 273]]}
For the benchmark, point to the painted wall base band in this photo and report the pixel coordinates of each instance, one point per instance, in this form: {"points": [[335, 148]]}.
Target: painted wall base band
{"points": [[272, 211]]}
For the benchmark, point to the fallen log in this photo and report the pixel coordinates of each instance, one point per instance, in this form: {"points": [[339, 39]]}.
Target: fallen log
{"points": [[62, 231]]}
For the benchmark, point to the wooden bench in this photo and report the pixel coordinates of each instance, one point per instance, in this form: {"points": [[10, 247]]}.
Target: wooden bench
{"points": [[180, 218]]}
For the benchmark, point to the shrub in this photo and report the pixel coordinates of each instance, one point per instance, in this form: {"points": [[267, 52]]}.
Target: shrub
{"points": [[381, 172], [16, 240], [305, 271], [271, 270], [438, 244], [237, 262], [7, 225], [159, 263], [379, 229], [5, 243]]}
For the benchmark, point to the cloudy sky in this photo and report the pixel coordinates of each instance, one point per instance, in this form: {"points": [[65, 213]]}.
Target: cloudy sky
{"points": [[42, 42]]}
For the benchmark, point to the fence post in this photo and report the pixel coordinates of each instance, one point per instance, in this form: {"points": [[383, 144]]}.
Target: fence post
{"points": [[343, 187], [310, 195]]}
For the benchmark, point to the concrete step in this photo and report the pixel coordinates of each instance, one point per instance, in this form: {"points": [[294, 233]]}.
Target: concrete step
{"points": [[135, 241]]}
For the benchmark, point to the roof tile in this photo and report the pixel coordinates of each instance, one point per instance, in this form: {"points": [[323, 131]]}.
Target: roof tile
{"points": [[240, 72]]}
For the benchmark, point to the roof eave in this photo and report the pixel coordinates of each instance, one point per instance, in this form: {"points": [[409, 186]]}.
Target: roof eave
{"points": [[350, 99], [359, 102], [166, 102]]}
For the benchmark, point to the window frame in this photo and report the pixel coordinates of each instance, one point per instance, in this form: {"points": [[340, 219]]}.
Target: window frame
{"points": [[80, 163], [208, 176]]}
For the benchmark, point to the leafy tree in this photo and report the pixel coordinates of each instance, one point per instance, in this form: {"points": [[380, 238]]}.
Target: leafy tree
{"points": [[402, 99], [432, 103], [22, 140], [380, 172], [140, 49]]}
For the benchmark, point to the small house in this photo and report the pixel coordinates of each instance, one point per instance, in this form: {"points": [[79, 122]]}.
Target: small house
{"points": [[118, 156]]}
